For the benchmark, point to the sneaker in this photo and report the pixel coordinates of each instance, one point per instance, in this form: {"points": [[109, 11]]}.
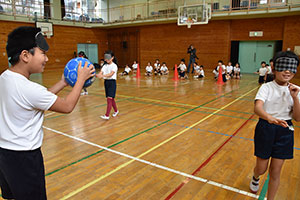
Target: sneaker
{"points": [[86, 93], [104, 117], [254, 185], [82, 93], [115, 114]]}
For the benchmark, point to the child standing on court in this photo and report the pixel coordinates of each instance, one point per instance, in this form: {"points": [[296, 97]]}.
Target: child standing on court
{"points": [[262, 72], [22, 106], [109, 74], [276, 104]]}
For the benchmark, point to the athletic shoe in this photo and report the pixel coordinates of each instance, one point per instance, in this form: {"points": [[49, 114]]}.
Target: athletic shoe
{"points": [[115, 114], [82, 93], [86, 93], [104, 117], [254, 185]]}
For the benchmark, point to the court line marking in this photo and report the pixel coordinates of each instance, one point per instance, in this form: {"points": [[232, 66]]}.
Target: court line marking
{"points": [[50, 113], [184, 182], [139, 133], [145, 162], [152, 149], [207, 131], [264, 189]]}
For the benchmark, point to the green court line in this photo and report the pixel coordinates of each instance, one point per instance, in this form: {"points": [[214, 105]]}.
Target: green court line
{"points": [[48, 118], [264, 189], [135, 135]]}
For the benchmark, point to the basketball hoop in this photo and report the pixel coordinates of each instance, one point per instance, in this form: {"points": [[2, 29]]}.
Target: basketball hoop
{"points": [[47, 34], [189, 23]]}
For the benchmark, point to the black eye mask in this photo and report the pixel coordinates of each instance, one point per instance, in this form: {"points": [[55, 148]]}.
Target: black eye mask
{"points": [[286, 63]]}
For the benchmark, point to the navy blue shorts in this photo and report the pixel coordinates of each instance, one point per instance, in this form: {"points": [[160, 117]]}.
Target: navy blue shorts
{"points": [[271, 140], [110, 88], [22, 174]]}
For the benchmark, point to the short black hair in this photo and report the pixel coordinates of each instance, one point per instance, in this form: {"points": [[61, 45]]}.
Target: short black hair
{"points": [[21, 38], [220, 61], [81, 53], [263, 62], [288, 54], [182, 60]]}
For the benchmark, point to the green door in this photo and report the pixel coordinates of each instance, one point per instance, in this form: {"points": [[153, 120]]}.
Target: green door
{"points": [[90, 50], [251, 54]]}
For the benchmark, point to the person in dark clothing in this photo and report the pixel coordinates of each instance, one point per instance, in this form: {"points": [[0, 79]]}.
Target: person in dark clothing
{"points": [[192, 51]]}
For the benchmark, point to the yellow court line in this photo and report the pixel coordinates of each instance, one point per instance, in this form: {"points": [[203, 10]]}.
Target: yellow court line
{"points": [[150, 150]]}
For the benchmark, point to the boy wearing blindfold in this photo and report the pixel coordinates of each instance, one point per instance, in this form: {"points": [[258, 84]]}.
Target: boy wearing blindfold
{"points": [[22, 106], [276, 103]]}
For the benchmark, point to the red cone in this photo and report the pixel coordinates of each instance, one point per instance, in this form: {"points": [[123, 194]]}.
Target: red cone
{"points": [[138, 73], [175, 73], [220, 77]]}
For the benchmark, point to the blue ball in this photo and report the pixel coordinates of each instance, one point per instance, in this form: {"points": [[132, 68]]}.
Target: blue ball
{"points": [[70, 71]]}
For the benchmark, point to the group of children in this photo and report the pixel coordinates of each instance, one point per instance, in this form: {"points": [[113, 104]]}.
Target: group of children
{"points": [[158, 69], [22, 106], [228, 71]]}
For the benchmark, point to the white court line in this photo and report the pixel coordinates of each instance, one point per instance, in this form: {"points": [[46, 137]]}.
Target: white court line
{"points": [[159, 166], [51, 113]]}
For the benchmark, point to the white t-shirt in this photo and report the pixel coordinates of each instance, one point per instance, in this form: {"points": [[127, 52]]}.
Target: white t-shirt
{"points": [[236, 69], [262, 71], [223, 69], [134, 66], [201, 72], [229, 69], [22, 106], [269, 69], [197, 68], [108, 68], [156, 65], [127, 69], [149, 68], [164, 68], [182, 67], [277, 100]]}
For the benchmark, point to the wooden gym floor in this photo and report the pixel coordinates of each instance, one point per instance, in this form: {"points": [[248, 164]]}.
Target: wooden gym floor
{"points": [[190, 139]]}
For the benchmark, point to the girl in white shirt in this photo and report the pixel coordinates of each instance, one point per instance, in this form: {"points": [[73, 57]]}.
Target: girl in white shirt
{"points": [[237, 71], [134, 66], [164, 69], [149, 69], [109, 74], [126, 71], [182, 69]]}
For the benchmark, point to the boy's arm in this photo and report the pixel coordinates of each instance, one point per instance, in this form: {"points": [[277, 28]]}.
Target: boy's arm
{"points": [[66, 105], [58, 86], [294, 91], [258, 109]]}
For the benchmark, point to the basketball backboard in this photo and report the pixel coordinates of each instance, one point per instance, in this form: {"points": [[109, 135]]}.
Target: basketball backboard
{"points": [[193, 14], [46, 27]]}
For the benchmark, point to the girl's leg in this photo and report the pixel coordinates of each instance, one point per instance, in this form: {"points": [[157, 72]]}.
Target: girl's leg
{"points": [[109, 105], [260, 167], [114, 105], [274, 171]]}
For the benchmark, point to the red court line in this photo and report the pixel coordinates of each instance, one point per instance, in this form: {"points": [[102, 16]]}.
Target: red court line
{"points": [[207, 160]]}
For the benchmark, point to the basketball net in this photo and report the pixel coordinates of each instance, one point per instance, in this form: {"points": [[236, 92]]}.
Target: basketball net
{"points": [[47, 33], [189, 23]]}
